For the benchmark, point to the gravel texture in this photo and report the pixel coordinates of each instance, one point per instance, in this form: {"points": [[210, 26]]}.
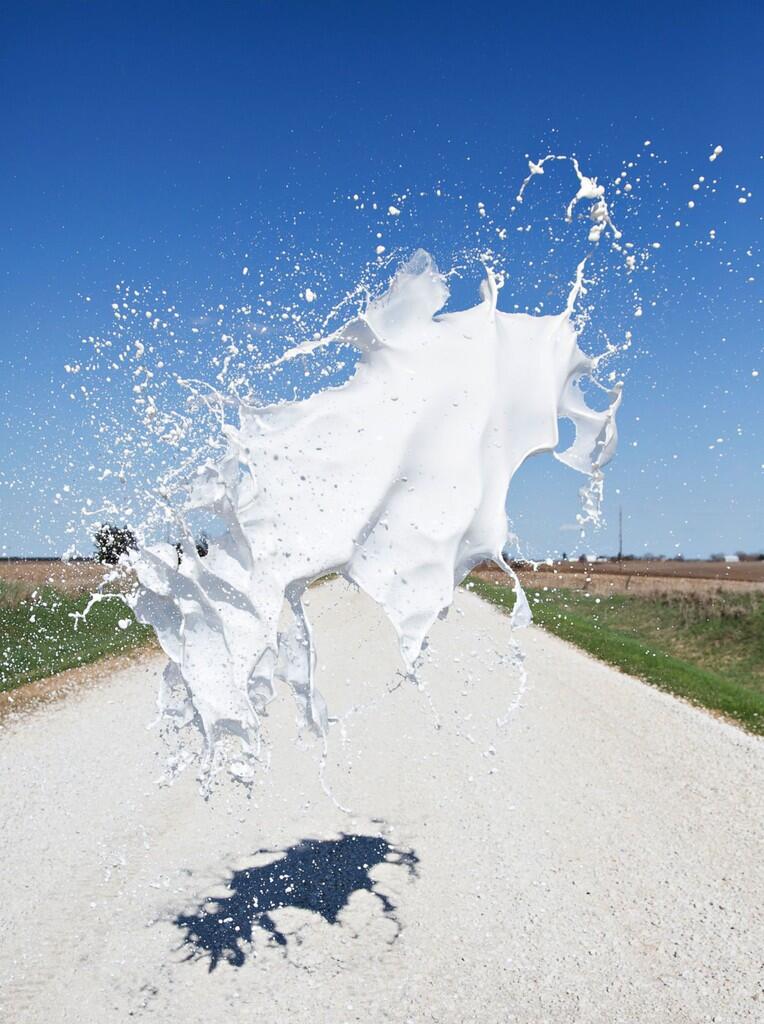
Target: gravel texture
{"points": [[598, 859]]}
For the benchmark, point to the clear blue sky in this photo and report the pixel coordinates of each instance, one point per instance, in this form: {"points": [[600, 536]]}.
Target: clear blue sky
{"points": [[159, 143]]}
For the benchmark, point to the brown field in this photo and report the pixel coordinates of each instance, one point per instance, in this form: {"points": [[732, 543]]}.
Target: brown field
{"points": [[23, 577], [747, 572], [645, 578]]}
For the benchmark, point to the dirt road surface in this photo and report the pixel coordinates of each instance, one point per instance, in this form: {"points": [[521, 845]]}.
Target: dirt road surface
{"points": [[597, 859]]}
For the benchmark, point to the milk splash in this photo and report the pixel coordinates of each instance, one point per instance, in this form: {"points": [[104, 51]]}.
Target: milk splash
{"points": [[397, 480]]}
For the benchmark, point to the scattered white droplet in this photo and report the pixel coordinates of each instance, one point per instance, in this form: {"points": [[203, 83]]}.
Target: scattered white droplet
{"points": [[310, 295]]}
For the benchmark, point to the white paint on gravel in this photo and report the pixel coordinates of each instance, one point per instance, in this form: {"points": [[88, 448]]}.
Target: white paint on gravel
{"points": [[604, 864]]}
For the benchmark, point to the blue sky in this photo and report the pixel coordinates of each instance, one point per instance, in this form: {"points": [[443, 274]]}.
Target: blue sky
{"points": [[166, 145]]}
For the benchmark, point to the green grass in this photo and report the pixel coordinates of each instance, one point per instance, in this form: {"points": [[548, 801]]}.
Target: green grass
{"points": [[38, 636], [707, 648]]}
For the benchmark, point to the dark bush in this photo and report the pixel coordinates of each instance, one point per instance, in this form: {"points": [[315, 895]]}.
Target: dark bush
{"points": [[111, 542]]}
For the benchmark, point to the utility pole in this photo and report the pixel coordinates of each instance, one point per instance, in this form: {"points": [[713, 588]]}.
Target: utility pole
{"points": [[620, 533]]}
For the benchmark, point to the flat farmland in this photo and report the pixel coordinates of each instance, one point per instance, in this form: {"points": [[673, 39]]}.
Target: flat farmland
{"points": [[41, 603], [616, 577], [695, 629], [750, 572], [648, 578], [24, 576]]}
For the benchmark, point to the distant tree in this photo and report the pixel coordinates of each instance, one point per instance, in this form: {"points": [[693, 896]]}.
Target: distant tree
{"points": [[111, 542]]}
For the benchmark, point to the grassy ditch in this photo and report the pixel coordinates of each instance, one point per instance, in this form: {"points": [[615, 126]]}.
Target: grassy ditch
{"points": [[38, 636], [705, 647]]}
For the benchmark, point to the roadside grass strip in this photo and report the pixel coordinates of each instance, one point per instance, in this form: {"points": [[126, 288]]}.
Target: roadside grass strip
{"points": [[708, 649]]}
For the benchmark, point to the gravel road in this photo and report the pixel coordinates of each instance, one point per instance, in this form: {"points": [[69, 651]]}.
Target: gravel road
{"points": [[597, 859]]}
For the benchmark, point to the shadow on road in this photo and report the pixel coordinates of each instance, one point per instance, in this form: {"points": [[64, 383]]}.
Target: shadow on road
{"points": [[315, 875]]}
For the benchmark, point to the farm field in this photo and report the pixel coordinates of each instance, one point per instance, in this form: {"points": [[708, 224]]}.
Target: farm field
{"points": [[38, 604], [735, 572], [635, 577], [23, 576], [79, 577]]}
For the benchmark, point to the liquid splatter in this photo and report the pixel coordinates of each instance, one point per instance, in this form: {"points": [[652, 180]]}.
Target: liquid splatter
{"points": [[397, 479]]}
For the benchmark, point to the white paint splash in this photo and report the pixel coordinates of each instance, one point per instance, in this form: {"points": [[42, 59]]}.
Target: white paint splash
{"points": [[398, 480], [588, 188]]}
